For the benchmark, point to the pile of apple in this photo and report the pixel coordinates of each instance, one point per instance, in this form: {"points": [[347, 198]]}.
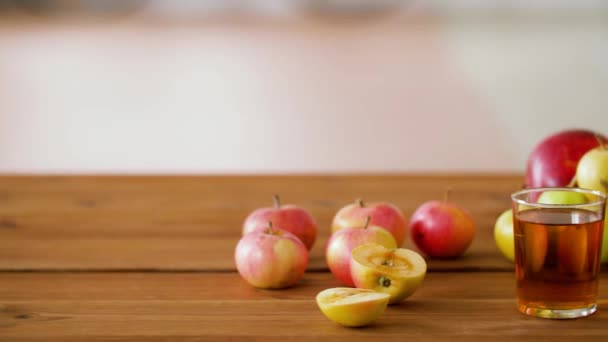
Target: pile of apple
{"points": [[363, 252], [568, 158]]}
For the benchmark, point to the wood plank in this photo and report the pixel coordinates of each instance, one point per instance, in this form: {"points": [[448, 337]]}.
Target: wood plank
{"points": [[176, 222], [219, 306]]}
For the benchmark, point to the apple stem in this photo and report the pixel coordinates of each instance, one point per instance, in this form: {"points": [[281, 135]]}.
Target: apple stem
{"points": [[600, 141], [360, 203], [270, 230], [277, 201], [369, 218], [446, 195]]}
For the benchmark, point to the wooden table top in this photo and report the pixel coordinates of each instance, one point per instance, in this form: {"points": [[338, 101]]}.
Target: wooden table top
{"points": [[132, 257]]}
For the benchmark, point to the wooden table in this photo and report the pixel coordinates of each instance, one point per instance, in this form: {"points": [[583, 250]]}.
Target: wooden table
{"points": [[122, 258]]}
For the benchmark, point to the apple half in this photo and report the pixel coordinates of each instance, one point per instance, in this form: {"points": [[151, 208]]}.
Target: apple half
{"points": [[397, 272], [352, 307]]}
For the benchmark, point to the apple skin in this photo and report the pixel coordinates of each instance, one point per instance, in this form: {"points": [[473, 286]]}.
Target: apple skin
{"points": [[382, 214], [562, 197], [271, 259], [503, 234], [441, 229], [553, 161], [592, 170], [341, 244], [289, 217]]}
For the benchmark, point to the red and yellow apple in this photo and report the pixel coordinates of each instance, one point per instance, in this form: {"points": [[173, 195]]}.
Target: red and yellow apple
{"points": [[397, 271], [352, 307], [554, 160], [271, 258], [289, 217], [382, 214], [441, 229], [341, 244]]}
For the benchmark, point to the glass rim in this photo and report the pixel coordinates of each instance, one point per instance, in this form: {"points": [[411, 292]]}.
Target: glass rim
{"points": [[601, 197]]}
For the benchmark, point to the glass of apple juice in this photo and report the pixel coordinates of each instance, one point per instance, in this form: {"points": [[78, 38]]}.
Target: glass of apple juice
{"points": [[558, 242]]}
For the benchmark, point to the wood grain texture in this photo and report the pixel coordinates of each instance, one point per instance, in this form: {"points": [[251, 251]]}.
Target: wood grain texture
{"points": [[193, 223], [220, 306]]}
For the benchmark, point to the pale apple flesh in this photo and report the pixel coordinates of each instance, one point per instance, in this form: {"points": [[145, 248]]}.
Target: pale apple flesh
{"points": [[397, 272], [352, 307]]}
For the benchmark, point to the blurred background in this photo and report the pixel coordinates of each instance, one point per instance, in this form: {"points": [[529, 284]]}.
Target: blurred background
{"points": [[300, 86]]}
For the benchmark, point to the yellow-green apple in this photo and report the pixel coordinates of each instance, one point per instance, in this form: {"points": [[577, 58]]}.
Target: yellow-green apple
{"points": [[592, 170], [271, 258], [382, 214], [562, 197], [352, 307], [341, 244], [553, 161], [441, 229], [503, 234], [291, 218], [397, 272], [592, 173]]}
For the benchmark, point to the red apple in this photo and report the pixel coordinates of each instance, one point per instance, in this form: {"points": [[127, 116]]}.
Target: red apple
{"points": [[341, 244], [442, 229], [383, 215], [289, 217], [271, 258], [553, 161]]}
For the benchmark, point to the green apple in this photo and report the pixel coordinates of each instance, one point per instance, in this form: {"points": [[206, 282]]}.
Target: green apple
{"points": [[503, 234], [352, 307], [562, 197], [395, 271]]}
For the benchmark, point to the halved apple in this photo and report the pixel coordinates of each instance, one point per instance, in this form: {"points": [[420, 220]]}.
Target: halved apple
{"points": [[397, 272], [352, 307]]}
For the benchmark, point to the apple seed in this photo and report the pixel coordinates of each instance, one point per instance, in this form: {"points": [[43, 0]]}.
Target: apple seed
{"points": [[386, 282]]}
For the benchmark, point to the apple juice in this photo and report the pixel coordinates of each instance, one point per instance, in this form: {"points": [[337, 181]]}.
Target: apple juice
{"points": [[557, 258]]}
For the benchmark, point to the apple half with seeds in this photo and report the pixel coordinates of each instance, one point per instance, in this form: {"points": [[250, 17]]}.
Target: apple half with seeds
{"points": [[352, 307], [397, 272]]}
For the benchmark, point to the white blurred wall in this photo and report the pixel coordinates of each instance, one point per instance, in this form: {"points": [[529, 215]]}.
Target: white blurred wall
{"points": [[389, 95]]}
